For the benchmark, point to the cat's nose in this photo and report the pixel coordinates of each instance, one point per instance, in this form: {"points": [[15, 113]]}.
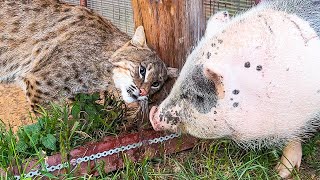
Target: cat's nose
{"points": [[143, 92]]}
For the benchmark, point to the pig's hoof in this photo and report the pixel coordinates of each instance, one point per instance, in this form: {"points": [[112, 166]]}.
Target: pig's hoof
{"points": [[291, 158]]}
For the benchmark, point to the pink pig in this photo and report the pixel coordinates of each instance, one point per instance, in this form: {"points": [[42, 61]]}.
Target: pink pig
{"points": [[254, 79]]}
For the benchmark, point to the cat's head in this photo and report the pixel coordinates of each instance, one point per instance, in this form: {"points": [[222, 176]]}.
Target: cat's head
{"points": [[138, 71]]}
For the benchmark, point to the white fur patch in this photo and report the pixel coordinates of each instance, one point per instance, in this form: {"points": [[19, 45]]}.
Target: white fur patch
{"points": [[216, 23], [123, 81]]}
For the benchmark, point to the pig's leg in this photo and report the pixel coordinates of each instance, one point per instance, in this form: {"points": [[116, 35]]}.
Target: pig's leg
{"points": [[290, 159]]}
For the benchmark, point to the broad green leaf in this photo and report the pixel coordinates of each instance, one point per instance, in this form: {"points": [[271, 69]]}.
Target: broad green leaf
{"points": [[49, 142], [21, 146], [75, 111]]}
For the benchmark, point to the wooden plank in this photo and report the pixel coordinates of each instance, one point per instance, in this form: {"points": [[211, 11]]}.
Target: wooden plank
{"points": [[116, 161]]}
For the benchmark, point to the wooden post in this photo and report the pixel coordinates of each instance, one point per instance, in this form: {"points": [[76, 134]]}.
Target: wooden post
{"points": [[83, 3], [172, 27]]}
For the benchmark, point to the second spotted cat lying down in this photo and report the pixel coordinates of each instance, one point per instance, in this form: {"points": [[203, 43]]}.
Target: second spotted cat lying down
{"points": [[54, 50]]}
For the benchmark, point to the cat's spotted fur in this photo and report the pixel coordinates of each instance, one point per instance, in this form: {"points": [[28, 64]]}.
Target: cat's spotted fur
{"points": [[54, 50]]}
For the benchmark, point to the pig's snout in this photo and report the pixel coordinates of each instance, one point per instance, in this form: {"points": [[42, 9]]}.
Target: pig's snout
{"points": [[155, 118], [160, 122]]}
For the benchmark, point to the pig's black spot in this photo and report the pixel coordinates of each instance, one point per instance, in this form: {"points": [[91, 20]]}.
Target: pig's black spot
{"points": [[200, 99], [287, 69], [183, 96], [161, 116], [231, 99], [271, 31], [208, 55], [198, 91], [259, 68], [235, 92], [215, 120], [216, 53], [214, 112], [236, 104], [220, 41], [214, 126], [247, 64], [202, 53], [173, 120]]}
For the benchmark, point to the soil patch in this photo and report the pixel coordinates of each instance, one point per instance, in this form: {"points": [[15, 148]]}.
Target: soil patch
{"points": [[14, 107]]}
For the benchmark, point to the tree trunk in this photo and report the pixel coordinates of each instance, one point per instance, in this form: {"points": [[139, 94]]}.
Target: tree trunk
{"points": [[173, 27], [83, 3]]}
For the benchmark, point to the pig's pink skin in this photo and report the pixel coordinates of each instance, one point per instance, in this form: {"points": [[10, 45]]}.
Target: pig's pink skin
{"points": [[156, 123], [278, 94], [284, 95]]}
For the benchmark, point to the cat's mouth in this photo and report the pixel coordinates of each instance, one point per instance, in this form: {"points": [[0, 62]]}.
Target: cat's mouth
{"points": [[134, 93], [139, 98]]}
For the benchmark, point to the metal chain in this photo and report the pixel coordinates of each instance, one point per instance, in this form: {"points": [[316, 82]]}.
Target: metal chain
{"points": [[99, 155]]}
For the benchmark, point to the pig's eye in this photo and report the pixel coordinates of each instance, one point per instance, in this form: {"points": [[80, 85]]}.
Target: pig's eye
{"points": [[155, 84], [142, 71]]}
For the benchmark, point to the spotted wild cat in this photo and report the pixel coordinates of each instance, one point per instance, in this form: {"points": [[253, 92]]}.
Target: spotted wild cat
{"points": [[53, 51]]}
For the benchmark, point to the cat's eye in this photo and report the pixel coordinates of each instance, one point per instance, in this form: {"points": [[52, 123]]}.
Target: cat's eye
{"points": [[142, 71], [155, 84]]}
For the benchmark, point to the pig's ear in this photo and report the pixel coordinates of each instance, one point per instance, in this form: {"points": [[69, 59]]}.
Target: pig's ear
{"points": [[139, 38], [217, 80], [172, 72]]}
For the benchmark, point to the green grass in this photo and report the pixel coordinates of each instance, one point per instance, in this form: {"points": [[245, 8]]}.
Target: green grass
{"points": [[62, 128], [70, 126]]}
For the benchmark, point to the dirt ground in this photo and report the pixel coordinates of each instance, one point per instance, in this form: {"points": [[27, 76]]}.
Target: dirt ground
{"points": [[14, 107]]}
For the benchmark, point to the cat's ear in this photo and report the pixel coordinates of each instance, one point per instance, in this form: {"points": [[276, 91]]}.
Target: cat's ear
{"points": [[139, 38], [172, 72]]}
